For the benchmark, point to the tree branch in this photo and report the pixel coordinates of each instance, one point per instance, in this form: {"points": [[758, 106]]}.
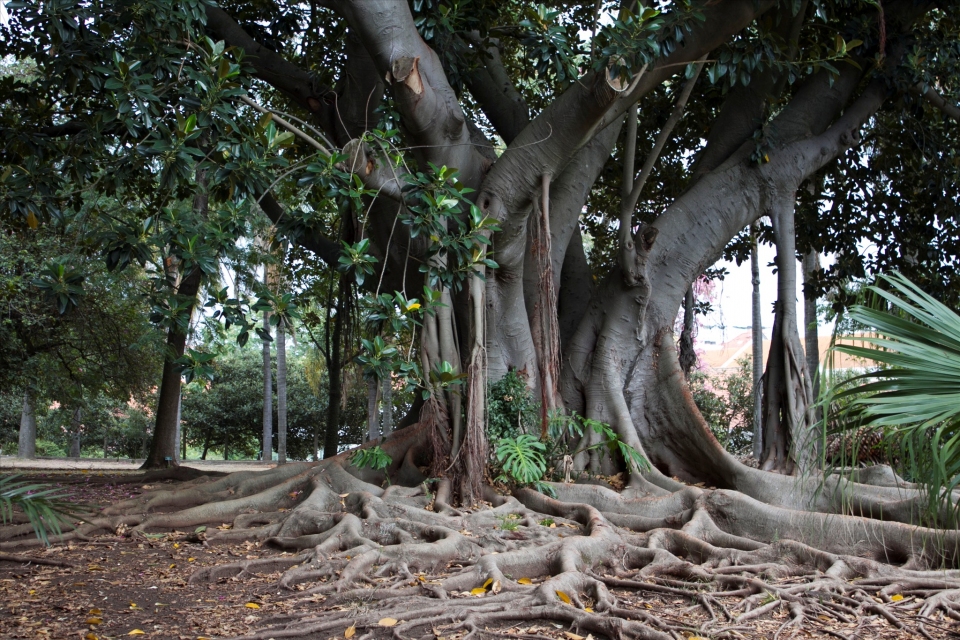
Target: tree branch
{"points": [[430, 110], [326, 249], [498, 97], [273, 68], [937, 100]]}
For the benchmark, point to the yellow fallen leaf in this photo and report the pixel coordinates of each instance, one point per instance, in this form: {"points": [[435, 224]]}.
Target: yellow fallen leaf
{"points": [[524, 581], [351, 630], [190, 559], [896, 598], [95, 612], [387, 622], [176, 545], [90, 636], [479, 591], [572, 636], [172, 565], [133, 605], [93, 620], [31, 592], [696, 638], [252, 605], [488, 583], [564, 597], [588, 609], [137, 632]]}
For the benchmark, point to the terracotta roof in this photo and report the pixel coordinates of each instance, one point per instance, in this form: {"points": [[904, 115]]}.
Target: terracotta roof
{"points": [[725, 356]]}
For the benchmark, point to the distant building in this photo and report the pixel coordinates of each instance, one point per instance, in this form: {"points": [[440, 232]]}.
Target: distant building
{"points": [[723, 358]]}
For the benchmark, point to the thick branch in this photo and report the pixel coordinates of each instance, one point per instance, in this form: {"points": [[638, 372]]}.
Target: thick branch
{"points": [[938, 101], [314, 241], [498, 97]]}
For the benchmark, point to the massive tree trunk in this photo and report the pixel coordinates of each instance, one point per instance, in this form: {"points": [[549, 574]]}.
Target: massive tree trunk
{"points": [[621, 367], [27, 444]]}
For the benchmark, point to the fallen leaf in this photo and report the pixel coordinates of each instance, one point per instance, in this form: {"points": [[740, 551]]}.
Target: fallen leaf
{"points": [[190, 559], [572, 636], [95, 612], [696, 638], [387, 622], [479, 591], [31, 592], [488, 583], [133, 605], [137, 632], [896, 598], [564, 597], [588, 609], [90, 636], [495, 587], [176, 545], [351, 630], [524, 581], [252, 605], [172, 566], [94, 620]]}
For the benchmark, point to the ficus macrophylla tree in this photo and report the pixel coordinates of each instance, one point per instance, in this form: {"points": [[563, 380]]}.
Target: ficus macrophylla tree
{"points": [[459, 147]]}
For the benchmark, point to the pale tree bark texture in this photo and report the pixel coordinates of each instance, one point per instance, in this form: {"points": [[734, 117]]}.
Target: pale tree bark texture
{"points": [[27, 445], [619, 363]]}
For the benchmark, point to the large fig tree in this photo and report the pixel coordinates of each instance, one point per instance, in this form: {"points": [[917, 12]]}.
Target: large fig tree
{"points": [[482, 160]]}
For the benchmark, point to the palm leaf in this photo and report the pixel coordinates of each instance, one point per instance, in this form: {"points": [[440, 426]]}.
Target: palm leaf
{"points": [[915, 398], [46, 508]]}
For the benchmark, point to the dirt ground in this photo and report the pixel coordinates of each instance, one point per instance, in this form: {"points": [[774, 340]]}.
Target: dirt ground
{"points": [[121, 586], [13, 464]]}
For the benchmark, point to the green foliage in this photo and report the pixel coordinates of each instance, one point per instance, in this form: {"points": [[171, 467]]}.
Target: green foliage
{"points": [[522, 459], [509, 522], [511, 409], [915, 398], [726, 403], [47, 509], [373, 457]]}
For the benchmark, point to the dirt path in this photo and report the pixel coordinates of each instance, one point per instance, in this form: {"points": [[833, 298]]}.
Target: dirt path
{"points": [[72, 465]]}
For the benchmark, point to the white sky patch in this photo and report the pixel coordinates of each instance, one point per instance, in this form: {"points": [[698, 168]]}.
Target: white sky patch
{"points": [[733, 307]]}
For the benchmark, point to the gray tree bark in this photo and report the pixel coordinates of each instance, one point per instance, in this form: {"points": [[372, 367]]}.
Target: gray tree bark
{"points": [[27, 445], [373, 419], [75, 426], [757, 331], [267, 442], [386, 398], [811, 264], [281, 394]]}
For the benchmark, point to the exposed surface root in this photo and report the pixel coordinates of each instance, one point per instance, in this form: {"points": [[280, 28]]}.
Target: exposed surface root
{"points": [[401, 562]]}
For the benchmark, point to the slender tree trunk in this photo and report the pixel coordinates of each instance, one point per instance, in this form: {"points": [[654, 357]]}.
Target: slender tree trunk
{"points": [[176, 448], [373, 417], [787, 401], [27, 446], [206, 448], [331, 438], [267, 445], [164, 444], [688, 357], [757, 330], [75, 433], [811, 264], [226, 445], [386, 396], [281, 394]]}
